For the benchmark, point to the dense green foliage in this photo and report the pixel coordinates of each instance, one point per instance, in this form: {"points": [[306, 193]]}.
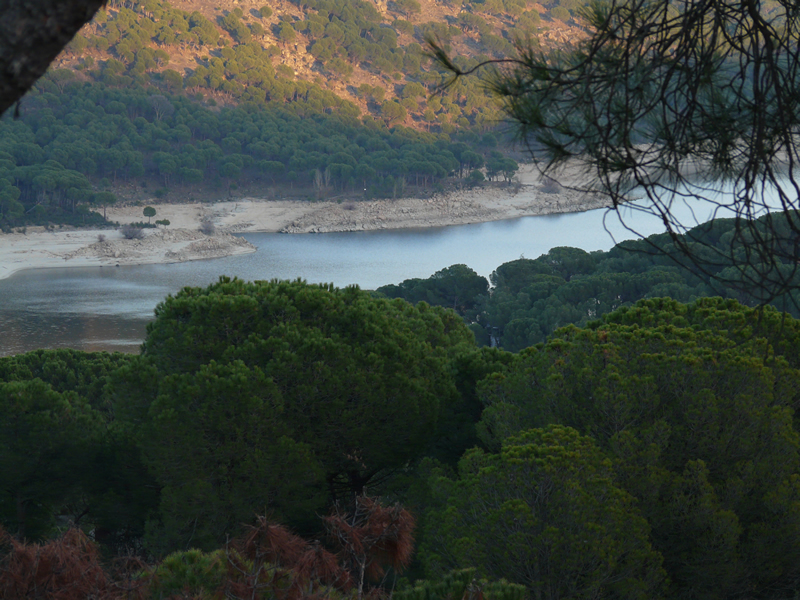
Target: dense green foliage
{"points": [[327, 391], [45, 438], [694, 407], [85, 373], [457, 287], [531, 298], [66, 147], [83, 466], [217, 442], [654, 452], [545, 513], [189, 572], [274, 396], [461, 583]]}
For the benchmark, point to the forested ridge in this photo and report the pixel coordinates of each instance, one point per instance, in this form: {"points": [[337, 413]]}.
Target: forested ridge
{"points": [[369, 53], [652, 453], [186, 100]]}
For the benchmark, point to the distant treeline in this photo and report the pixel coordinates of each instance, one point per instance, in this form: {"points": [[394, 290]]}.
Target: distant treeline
{"points": [[531, 298], [68, 149]]}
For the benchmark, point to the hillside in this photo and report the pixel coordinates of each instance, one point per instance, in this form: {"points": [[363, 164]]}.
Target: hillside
{"points": [[370, 54], [310, 100]]}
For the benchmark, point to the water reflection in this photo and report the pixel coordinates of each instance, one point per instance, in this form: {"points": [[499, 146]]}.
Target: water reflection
{"points": [[28, 331]]}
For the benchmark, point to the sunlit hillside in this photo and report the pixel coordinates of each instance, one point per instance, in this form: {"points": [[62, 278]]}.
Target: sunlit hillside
{"points": [[371, 55]]}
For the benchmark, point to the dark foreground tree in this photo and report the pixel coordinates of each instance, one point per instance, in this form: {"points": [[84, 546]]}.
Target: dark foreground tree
{"points": [[45, 445], [694, 404], [32, 33], [545, 513], [283, 395], [676, 101]]}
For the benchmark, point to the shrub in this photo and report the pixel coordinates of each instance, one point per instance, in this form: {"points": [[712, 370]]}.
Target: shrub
{"points": [[189, 572], [550, 186], [475, 177], [560, 13], [66, 568], [208, 227], [131, 232]]}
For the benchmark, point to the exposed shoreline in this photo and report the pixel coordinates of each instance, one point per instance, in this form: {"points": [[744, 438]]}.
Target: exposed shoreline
{"points": [[182, 241]]}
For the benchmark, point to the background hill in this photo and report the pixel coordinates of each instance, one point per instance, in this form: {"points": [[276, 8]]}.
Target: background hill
{"points": [[367, 53], [308, 99]]}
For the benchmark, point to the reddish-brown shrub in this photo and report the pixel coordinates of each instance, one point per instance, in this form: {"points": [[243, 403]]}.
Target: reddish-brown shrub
{"points": [[372, 537], [283, 565], [66, 568], [268, 562], [270, 542]]}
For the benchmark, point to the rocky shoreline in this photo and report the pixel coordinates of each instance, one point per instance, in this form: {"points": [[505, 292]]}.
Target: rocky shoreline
{"points": [[457, 208]]}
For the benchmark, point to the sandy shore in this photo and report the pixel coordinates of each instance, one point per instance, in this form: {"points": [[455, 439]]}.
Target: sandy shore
{"points": [[182, 241], [85, 248]]}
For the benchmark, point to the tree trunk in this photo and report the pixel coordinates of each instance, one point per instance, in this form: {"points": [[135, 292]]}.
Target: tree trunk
{"points": [[21, 516]]}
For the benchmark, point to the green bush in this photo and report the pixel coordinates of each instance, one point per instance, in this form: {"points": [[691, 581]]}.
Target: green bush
{"points": [[462, 583], [191, 572]]}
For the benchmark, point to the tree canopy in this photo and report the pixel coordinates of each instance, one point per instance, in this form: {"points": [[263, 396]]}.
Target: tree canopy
{"points": [[651, 453], [694, 405], [240, 378], [59, 158], [545, 513], [530, 298], [45, 439]]}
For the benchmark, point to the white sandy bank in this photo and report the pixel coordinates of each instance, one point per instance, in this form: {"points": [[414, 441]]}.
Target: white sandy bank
{"points": [[181, 240], [82, 248]]}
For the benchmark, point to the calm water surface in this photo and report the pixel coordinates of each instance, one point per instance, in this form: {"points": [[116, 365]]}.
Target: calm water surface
{"points": [[108, 308]]}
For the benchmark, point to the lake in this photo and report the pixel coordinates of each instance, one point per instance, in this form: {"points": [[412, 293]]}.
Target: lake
{"points": [[108, 308]]}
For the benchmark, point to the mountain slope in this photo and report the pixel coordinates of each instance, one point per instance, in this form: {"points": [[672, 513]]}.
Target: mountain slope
{"points": [[311, 99], [369, 54]]}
